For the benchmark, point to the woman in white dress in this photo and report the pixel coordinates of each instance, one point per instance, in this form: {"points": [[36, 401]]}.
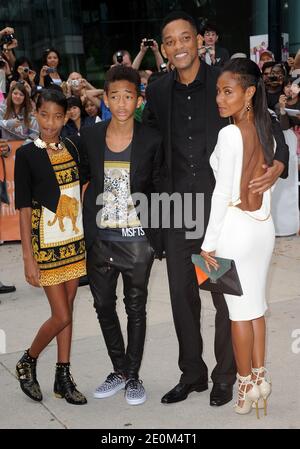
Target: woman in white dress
{"points": [[240, 225]]}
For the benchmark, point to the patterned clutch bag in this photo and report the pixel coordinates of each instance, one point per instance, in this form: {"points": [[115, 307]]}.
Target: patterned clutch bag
{"points": [[225, 280]]}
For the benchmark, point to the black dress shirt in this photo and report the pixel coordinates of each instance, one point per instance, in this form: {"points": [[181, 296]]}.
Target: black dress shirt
{"points": [[188, 135]]}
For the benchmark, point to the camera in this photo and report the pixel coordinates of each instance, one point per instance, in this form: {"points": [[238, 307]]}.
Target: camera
{"points": [[51, 70], [148, 43], [74, 83], [163, 67], [22, 69], [209, 50], [119, 57], [7, 39]]}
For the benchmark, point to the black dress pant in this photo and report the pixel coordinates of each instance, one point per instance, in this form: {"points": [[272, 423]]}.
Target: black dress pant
{"points": [[186, 308], [105, 261]]}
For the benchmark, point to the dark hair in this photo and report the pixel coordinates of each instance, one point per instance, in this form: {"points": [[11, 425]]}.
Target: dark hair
{"points": [[74, 101], [21, 60], [283, 69], [267, 65], [47, 52], [53, 96], [178, 15], [249, 74], [54, 86], [209, 26], [123, 73], [288, 80]]}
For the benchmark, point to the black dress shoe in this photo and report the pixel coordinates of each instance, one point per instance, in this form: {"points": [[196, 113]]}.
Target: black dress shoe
{"points": [[7, 288], [221, 394], [181, 391]]}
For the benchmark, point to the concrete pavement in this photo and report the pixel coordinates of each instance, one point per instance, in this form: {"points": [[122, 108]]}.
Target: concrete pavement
{"points": [[22, 312]]}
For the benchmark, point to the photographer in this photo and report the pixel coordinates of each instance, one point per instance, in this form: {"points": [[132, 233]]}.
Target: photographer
{"points": [[77, 86], [7, 43], [145, 45], [290, 99], [122, 57], [49, 73], [211, 53], [4, 152], [16, 119], [274, 75], [23, 71], [75, 118]]}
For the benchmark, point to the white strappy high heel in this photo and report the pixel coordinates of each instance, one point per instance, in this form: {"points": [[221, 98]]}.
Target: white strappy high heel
{"points": [[249, 397], [264, 386]]}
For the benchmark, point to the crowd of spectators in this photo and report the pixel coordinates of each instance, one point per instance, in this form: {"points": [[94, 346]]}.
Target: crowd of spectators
{"points": [[20, 83]]}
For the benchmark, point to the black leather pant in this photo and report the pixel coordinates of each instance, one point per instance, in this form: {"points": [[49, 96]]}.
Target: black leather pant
{"points": [[105, 261]]}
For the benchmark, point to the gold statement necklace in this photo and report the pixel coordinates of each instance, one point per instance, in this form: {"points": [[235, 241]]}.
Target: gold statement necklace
{"points": [[52, 146]]}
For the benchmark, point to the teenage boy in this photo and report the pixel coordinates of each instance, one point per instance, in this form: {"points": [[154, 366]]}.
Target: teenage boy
{"points": [[212, 53], [120, 157]]}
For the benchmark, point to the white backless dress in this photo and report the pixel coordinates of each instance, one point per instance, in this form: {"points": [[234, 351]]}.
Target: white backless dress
{"points": [[246, 237]]}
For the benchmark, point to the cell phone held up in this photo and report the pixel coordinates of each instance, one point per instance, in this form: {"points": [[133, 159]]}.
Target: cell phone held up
{"points": [[148, 43]]}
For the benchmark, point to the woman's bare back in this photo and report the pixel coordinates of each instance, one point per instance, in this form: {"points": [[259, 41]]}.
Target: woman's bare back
{"points": [[253, 160]]}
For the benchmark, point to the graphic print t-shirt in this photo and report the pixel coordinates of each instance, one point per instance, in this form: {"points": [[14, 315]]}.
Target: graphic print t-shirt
{"points": [[119, 221]]}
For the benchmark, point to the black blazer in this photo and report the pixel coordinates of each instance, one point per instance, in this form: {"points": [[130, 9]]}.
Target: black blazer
{"points": [[144, 171], [158, 110], [222, 55], [35, 178]]}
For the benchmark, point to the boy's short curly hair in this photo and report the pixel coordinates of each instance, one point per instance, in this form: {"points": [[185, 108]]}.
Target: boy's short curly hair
{"points": [[123, 73]]}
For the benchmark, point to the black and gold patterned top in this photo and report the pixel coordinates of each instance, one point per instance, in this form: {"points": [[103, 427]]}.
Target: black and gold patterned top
{"points": [[57, 238]]}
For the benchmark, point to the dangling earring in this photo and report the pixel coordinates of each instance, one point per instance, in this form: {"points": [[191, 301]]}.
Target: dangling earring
{"points": [[230, 120], [248, 109]]}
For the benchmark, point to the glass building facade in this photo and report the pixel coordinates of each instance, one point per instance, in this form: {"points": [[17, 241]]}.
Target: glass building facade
{"points": [[88, 32]]}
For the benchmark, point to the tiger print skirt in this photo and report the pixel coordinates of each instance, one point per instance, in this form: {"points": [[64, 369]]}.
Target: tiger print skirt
{"points": [[57, 239]]}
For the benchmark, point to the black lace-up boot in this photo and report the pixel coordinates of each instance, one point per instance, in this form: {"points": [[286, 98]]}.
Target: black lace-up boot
{"points": [[65, 387], [26, 374]]}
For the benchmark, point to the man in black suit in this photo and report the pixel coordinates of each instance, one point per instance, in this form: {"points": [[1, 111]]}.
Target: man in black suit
{"points": [[120, 157], [182, 105]]}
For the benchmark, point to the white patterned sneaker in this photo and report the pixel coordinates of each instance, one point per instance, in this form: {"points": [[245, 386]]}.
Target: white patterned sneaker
{"points": [[113, 383], [135, 393]]}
